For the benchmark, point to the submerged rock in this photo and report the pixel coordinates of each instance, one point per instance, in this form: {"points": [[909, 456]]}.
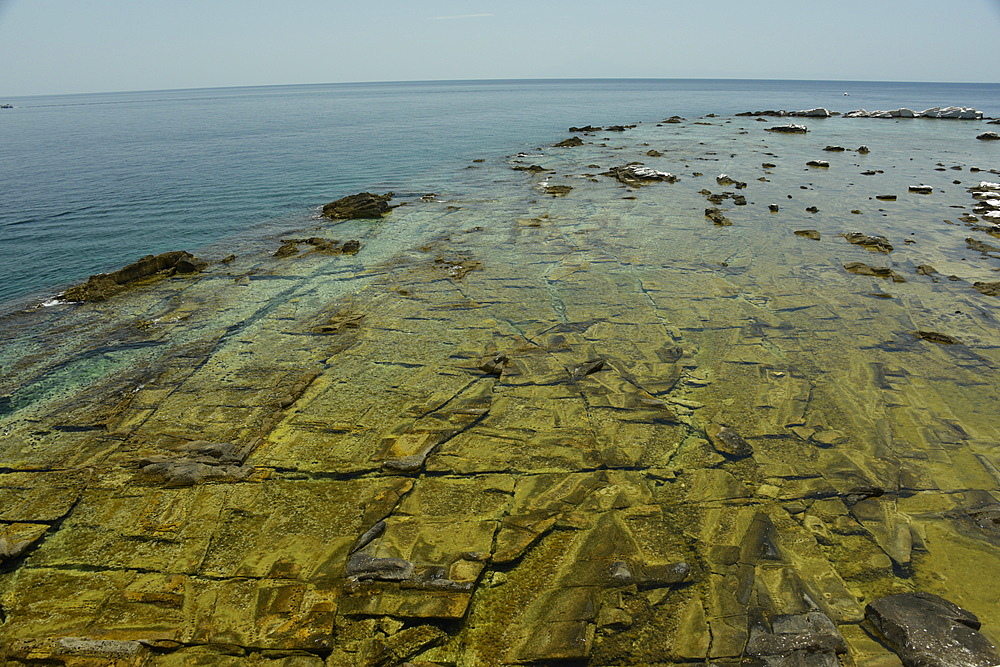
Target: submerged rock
{"points": [[558, 190], [717, 217], [989, 289], [728, 442], [935, 337], [862, 269], [875, 243], [797, 639], [808, 233], [104, 285], [927, 630], [361, 205]]}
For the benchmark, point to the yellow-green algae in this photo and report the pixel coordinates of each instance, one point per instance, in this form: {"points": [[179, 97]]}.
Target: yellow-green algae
{"points": [[350, 391]]}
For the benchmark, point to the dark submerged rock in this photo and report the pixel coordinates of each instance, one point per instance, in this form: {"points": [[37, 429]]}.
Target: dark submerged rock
{"points": [[808, 233], [728, 442], [935, 337], [875, 243], [361, 205], [717, 217], [927, 630], [862, 269]]}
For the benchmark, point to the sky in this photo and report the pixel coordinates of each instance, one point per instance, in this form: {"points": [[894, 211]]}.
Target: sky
{"points": [[78, 46]]}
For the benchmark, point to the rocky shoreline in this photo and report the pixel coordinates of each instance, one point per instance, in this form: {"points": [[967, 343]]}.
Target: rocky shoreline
{"points": [[659, 400]]}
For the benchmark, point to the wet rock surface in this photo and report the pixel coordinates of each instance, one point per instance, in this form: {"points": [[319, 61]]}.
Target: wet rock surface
{"points": [[926, 629], [150, 267], [361, 205], [525, 429]]}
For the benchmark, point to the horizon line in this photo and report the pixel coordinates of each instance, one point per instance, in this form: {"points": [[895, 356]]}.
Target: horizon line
{"points": [[497, 80]]}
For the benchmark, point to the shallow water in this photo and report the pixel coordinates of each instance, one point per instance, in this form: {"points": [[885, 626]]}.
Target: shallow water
{"points": [[350, 390], [93, 182]]}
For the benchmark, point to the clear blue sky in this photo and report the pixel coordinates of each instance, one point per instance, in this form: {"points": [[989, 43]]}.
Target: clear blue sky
{"points": [[68, 46]]}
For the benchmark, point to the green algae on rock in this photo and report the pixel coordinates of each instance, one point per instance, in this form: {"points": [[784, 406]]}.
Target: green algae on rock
{"points": [[520, 430]]}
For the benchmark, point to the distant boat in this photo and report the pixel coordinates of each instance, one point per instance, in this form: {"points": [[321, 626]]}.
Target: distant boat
{"points": [[6, 106]]}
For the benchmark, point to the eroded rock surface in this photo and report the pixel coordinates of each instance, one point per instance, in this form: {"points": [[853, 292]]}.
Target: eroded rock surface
{"points": [[928, 630]]}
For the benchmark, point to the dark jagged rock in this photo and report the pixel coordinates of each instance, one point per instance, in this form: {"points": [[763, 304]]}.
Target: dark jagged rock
{"points": [[875, 243], [494, 364], [635, 175], [812, 209], [773, 208], [808, 233], [361, 205], [864, 150], [886, 197], [534, 169], [618, 128], [862, 269], [717, 217], [989, 136], [569, 143], [725, 179], [835, 149], [935, 337], [728, 442], [104, 285], [989, 289], [921, 189], [979, 246], [818, 163], [654, 153], [984, 511], [585, 128], [558, 190], [926, 630], [796, 639], [587, 368], [369, 535], [361, 566]]}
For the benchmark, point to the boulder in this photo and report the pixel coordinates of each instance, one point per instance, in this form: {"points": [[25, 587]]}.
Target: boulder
{"points": [[818, 112], [585, 128], [635, 175], [791, 128], [961, 113], [361, 205], [989, 136], [104, 285], [569, 143], [818, 163], [927, 630], [921, 189], [725, 179]]}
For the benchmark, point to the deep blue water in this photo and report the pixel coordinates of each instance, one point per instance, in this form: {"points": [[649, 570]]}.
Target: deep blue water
{"points": [[89, 183]]}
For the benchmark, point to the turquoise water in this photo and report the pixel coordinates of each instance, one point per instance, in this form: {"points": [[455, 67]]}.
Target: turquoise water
{"points": [[92, 182]]}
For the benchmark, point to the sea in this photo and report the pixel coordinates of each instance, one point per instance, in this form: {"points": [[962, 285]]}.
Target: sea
{"points": [[89, 183]]}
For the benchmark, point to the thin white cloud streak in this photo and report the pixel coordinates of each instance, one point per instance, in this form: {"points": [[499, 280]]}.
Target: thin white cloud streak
{"points": [[460, 16]]}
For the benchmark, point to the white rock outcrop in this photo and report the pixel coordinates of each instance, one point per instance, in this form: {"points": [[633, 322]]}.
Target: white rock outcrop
{"points": [[960, 113]]}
